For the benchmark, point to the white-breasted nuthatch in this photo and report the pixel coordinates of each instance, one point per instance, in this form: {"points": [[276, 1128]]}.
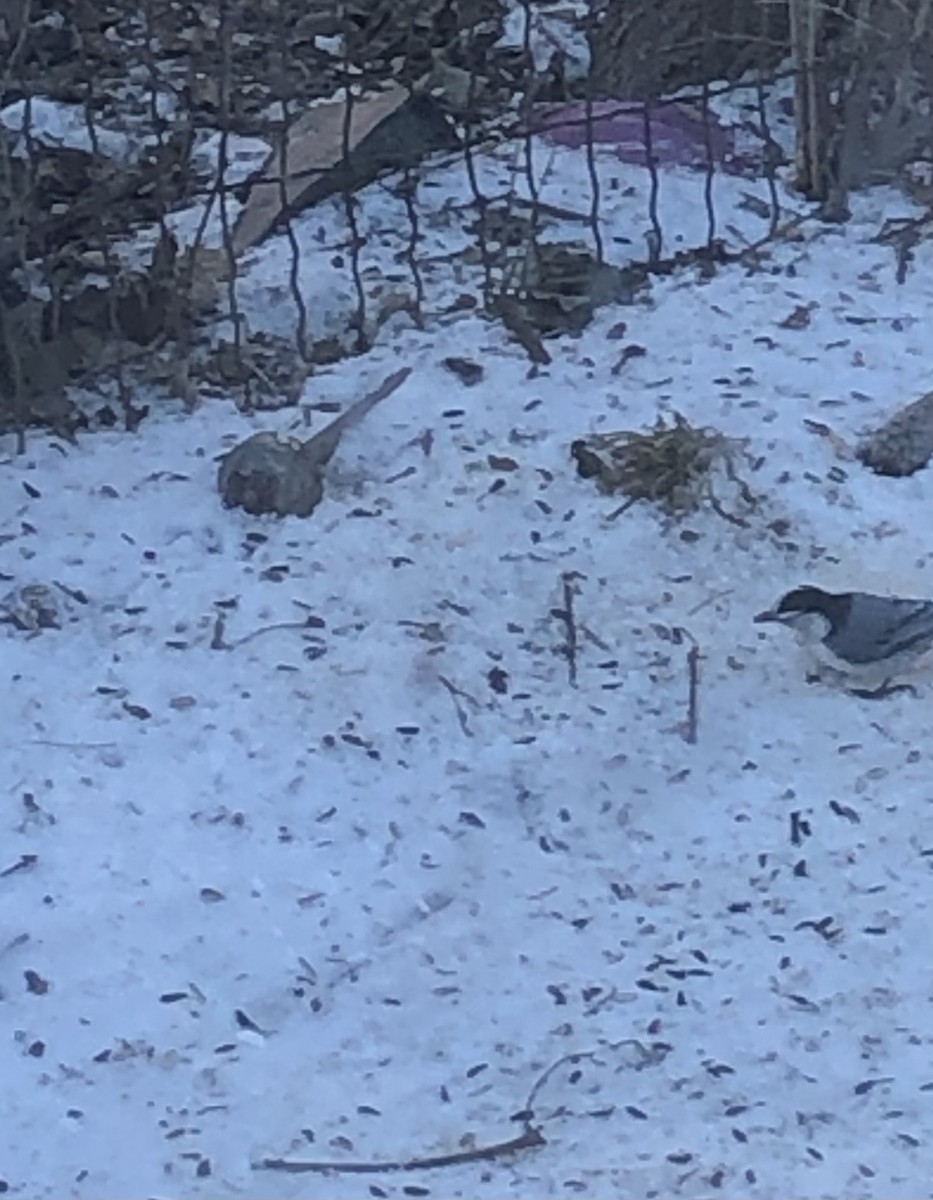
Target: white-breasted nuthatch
{"points": [[864, 640]]}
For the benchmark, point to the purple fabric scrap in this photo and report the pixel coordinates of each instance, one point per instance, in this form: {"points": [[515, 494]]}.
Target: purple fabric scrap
{"points": [[679, 137]]}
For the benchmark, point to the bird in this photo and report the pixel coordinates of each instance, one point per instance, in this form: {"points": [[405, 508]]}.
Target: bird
{"points": [[863, 640]]}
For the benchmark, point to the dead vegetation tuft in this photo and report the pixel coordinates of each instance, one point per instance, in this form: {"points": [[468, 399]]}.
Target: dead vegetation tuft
{"points": [[675, 465]]}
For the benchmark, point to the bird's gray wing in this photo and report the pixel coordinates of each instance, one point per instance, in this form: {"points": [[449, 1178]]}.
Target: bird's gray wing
{"points": [[880, 628]]}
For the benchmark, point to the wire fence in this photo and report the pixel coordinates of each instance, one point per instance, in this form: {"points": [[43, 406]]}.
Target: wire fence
{"points": [[119, 120]]}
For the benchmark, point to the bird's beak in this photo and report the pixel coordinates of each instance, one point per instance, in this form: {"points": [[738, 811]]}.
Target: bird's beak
{"points": [[767, 615]]}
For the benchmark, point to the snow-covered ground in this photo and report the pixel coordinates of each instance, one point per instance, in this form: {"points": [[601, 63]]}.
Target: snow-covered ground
{"points": [[312, 852]]}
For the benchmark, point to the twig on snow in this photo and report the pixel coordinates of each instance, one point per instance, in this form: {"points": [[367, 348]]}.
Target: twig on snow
{"points": [[14, 944], [321, 447], [255, 633], [569, 619], [710, 599], [217, 636], [528, 1139], [644, 1056], [25, 862], [455, 694], [693, 681], [688, 728]]}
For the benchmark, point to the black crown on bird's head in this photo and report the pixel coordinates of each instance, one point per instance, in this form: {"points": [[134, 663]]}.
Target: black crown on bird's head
{"points": [[810, 599], [807, 598]]}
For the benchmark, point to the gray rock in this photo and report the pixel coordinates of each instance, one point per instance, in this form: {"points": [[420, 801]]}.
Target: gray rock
{"points": [[267, 475], [904, 443]]}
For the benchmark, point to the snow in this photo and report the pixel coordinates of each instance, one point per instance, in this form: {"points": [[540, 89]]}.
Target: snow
{"points": [[365, 889], [55, 124]]}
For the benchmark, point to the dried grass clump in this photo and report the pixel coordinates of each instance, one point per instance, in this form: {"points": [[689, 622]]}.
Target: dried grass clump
{"points": [[675, 465]]}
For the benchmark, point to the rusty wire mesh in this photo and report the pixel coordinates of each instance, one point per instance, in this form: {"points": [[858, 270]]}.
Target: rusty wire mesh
{"points": [[96, 284]]}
